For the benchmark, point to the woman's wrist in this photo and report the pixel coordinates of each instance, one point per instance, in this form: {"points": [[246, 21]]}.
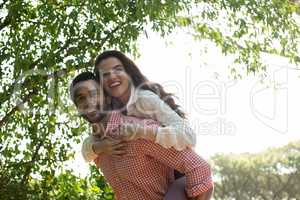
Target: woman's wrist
{"points": [[151, 133], [148, 133]]}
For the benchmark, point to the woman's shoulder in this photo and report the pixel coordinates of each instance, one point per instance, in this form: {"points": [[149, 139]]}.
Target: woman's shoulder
{"points": [[141, 98], [144, 99], [147, 97], [142, 93]]}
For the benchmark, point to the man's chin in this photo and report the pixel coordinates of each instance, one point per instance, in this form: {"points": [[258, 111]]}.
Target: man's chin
{"points": [[94, 119]]}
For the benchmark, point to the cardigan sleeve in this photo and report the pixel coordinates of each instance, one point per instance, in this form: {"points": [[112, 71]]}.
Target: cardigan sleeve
{"points": [[174, 131]]}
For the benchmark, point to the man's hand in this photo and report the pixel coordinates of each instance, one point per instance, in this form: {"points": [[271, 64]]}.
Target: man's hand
{"points": [[108, 146], [98, 130]]}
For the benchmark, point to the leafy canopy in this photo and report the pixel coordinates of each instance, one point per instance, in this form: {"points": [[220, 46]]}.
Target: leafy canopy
{"points": [[43, 44]]}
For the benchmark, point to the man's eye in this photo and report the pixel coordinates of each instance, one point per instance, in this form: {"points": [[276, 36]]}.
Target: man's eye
{"points": [[93, 93]]}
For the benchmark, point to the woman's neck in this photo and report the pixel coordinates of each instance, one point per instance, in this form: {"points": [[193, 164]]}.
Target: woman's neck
{"points": [[125, 97]]}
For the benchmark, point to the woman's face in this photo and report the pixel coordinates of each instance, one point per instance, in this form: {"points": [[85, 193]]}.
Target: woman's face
{"points": [[115, 79]]}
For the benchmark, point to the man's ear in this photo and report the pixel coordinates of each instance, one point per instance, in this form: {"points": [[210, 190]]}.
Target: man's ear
{"points": [[84, 117]]}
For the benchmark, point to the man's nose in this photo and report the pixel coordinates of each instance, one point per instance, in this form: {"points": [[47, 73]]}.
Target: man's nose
{"points": [[92, 101]]}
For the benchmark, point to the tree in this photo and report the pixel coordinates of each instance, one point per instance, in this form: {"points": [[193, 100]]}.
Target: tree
{"points": [[43, 44], [270, 175], [247, 30]]}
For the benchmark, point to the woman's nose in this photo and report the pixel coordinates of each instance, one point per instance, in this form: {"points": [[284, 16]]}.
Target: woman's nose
{"points": [[112, 77], [113, 74]]}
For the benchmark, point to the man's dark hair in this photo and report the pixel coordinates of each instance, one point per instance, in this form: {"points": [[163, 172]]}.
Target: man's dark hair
{"points": [[84, 76]]}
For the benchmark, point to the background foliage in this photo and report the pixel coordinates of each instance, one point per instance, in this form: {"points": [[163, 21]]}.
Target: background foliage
{"points": [[273, 174], [43, 44]]}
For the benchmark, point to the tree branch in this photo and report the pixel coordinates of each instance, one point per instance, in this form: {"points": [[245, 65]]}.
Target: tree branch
{"points": [[111, 33], [16, 108], [6, 22], [2, 4], [58, 73], [284, 186], [33, 159], [5, 96]]}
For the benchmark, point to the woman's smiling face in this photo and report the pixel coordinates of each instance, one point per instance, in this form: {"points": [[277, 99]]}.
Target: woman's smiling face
{"points": [[115, 79]]}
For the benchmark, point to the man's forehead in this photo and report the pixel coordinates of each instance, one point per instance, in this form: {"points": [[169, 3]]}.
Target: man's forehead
{"points": [[86, 86]]}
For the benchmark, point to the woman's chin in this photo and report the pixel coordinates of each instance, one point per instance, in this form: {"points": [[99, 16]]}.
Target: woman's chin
{"points": [[117, 91], [120, 94]]}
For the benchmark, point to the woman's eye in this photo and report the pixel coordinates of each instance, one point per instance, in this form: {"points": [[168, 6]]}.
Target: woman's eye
{"points": [[119, 69]]}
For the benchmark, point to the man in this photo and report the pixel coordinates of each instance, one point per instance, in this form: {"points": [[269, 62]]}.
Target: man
{"points": [[145, 170]]}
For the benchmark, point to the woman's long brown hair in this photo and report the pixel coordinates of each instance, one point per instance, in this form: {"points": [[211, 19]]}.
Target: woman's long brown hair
{"points": [[138, 79]]}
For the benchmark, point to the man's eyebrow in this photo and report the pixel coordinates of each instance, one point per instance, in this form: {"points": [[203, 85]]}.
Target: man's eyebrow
{"points": [[77, 93]]}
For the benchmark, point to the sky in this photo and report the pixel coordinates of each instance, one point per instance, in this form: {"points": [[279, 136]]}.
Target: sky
{"points": [[229, 116]]}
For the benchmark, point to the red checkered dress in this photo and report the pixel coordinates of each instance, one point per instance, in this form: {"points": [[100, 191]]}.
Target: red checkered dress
{"points": [[146, 171]]}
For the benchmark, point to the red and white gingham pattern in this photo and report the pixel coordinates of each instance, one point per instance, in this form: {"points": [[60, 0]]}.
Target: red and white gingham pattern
{"points": [[146, 170]]}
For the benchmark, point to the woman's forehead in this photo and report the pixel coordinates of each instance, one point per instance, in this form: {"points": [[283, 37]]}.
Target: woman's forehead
{"points": [[109, 63]]}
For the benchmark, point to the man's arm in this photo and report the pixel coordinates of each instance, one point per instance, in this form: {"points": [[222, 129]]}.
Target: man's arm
{"points": [[196, 169]]}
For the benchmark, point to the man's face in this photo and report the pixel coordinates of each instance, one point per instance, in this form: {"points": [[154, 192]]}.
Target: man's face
{"points": [[88, 98]]}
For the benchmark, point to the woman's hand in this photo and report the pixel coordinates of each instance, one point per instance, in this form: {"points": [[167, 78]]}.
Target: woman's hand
{"points": [[108, 146]]}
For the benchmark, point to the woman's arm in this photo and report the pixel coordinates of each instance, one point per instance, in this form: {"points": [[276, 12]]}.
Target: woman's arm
{"points": [[97, 143], [93, 146], [174, 131]]}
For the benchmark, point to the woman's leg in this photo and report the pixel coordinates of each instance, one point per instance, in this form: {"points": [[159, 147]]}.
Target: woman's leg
{"points": [[177, 190], [205, 196], [178, 174]]}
